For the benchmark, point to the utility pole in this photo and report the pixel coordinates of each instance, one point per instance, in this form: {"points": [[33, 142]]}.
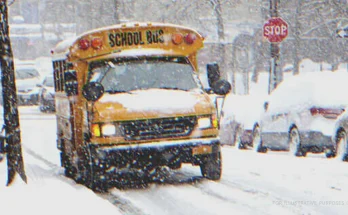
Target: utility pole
{"points": [[274, 73], [217, 8], [297, 37], [10, 143]]}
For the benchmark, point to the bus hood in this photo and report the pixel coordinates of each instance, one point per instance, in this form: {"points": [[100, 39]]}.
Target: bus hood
{"points": [[152, 103]]}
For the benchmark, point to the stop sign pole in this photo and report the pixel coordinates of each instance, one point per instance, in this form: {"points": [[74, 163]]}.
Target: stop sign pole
{"points": [[275, 30]]}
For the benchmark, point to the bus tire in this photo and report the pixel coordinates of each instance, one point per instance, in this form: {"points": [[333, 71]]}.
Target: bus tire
{"points": [[65, 163], [211, 167], [94, 177], [93, 181]]}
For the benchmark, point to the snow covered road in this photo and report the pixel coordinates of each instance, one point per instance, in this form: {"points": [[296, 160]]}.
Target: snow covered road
{"points": [[272, 183]]}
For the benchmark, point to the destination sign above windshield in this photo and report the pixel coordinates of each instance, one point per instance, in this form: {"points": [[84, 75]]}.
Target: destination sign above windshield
{"points": [[120, 39]]}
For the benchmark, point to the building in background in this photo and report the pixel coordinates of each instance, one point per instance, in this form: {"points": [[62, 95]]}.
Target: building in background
{"points": [[236, 44], [36, 26]]}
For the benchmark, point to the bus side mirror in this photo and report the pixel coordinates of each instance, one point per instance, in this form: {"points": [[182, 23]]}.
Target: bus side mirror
{"points": [[93, 91], [71, 85], [222, 87], [213, 73]]}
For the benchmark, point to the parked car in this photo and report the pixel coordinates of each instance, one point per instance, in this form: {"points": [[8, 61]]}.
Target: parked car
{"points": [[240, 112], [300, 114], [47, 94], [27, 80], [339, 136]]}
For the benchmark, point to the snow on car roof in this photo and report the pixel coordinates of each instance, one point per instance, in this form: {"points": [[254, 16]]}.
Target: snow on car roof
{"points": [[245, 109], [322, 89]]}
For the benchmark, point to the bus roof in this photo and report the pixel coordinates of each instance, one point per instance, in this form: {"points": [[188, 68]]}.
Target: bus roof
{"points": [[166, 38]]}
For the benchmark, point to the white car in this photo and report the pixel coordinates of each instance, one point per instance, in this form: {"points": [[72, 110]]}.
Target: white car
{"points": [[27, 80], [339, 136], [300, 114], [240, 112]]}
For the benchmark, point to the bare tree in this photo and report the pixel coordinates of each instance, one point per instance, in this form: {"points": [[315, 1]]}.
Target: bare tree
{"points": [[312, 30]]}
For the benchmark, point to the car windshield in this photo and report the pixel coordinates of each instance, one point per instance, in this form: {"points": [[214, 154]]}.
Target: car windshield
{"points": [[26, 74], [122, 75]]}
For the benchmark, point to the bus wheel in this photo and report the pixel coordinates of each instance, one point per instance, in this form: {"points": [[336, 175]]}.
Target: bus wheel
{"points": [[65, 163], [211, 167], [93, 177]]}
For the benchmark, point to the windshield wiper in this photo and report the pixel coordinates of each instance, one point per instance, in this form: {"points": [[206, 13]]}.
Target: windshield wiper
{"points": [[118, 91], [103, 74], [172, 88]]}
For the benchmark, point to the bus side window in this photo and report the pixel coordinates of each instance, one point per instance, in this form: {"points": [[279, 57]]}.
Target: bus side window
{"points": [[71, 86]]}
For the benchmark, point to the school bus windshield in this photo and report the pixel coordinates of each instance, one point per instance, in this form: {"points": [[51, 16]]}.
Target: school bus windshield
{"points": [[128, 74]]}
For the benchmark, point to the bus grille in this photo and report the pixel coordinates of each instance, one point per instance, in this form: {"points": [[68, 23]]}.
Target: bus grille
{"points": [[158, 128]]}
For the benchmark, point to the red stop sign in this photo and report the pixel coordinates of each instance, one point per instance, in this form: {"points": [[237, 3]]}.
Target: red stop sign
{"points": [[275, 30]]}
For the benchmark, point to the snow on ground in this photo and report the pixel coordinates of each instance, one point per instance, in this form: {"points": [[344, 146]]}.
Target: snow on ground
{"points": [[252, 183], [47, 191]]}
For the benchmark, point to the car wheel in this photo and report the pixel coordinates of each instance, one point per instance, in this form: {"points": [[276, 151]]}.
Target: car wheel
{"points": [[341, 146], [295, 143], [42, 108], [257, 140], [211, 167]]}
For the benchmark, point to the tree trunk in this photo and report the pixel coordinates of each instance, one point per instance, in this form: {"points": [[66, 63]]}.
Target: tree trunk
{"points": [[297, 37], [221, 35], [12, 130], [220, 21], [84, 16]]}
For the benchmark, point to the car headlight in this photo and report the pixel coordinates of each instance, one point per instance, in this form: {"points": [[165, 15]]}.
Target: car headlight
{"points": [[204, 122]]}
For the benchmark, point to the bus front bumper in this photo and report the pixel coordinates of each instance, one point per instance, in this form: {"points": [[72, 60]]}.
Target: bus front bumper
{"points": [[154, 154]]}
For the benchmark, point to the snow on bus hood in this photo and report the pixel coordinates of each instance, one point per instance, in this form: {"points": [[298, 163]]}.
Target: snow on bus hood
{"points": [[152, 103]]}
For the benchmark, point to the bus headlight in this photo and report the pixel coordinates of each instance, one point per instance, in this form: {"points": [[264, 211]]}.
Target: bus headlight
{"points": [[105, 130], [108, 129], [204, 122]]}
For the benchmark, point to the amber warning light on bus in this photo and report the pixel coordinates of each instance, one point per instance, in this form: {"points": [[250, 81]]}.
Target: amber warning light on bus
{"points": [[178, 38], [190, 38]]}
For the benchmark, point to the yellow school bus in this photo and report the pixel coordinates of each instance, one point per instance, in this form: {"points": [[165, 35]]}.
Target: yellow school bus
{"points": [[129, 99]]}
